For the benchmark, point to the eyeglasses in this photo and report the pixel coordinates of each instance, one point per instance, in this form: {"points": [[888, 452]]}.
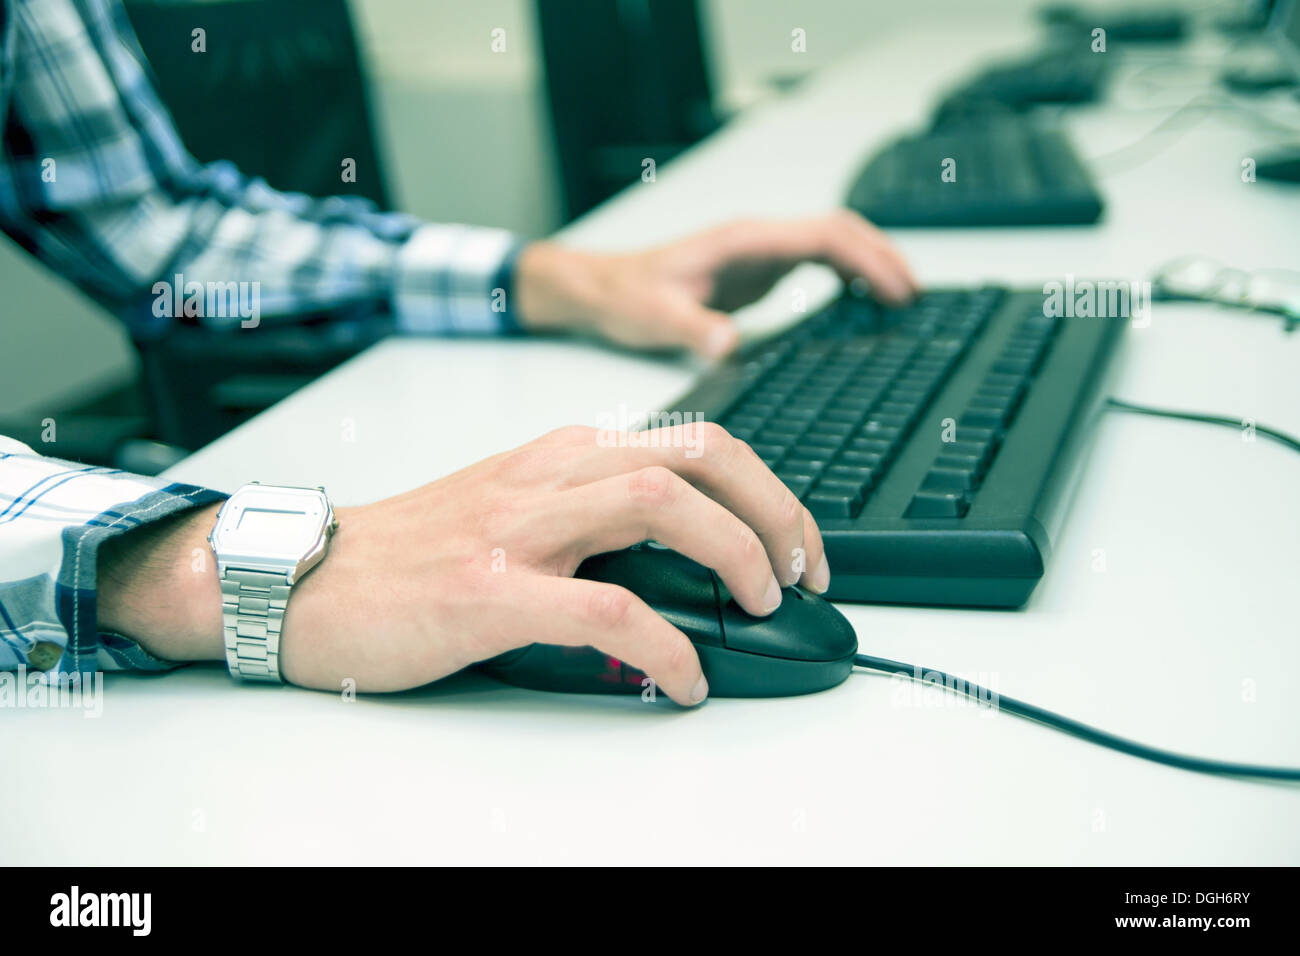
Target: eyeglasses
{"points": [[1201, 279]]}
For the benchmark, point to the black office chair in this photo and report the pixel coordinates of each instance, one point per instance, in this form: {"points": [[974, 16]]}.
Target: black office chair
{"points": [[280, 91], [625, 81]]}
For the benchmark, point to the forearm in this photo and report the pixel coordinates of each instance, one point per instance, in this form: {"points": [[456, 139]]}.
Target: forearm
{"points": [[62, 518], [158, 586]]}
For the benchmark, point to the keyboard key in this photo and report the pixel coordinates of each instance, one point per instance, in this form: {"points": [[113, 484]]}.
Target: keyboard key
{"points": [[799, 484], [927, 503], [840, 431], [1015, 365], [804, 466], [1008, 403], [813, 452], [762, 409], [848, 415], [848, 475], [834, 500], [879, 423], [907, 410], [733, 422], [982, 451], [770, 454], [872, 446], [978, 435], [999, 380], [782, 426], [862, 459], [988, 418], [824, 437], [976, 465], [949, 479], [776, 439], [905, 398]]}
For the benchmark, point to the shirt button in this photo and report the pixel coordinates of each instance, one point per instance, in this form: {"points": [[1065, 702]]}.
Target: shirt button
{"points": [[43, 656]]}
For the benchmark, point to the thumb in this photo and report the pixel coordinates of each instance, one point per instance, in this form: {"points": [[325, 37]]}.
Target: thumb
{"points": [[705, 331]]}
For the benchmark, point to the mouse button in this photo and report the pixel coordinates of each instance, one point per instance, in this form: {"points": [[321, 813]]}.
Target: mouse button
{"points": [[699, 623], [803, 628], [684, 594], [678, 589]]}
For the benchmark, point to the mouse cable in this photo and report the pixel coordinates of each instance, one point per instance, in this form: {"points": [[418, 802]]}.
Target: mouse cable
{"points": [[994, 701], [1073, 727], [1273, 433]]}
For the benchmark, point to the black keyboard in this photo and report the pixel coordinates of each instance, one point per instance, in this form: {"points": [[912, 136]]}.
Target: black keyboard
{"points": [[1153, 24], [934, 443], [1053, 77], [1009, 170]]}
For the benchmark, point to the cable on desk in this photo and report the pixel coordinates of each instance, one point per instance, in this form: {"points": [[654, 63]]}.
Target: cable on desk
{"points": [[1273, 433], [1073, 727], [1148, 145]]}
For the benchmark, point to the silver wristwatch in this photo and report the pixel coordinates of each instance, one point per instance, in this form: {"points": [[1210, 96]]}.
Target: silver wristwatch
{"points": [[265, 539]]}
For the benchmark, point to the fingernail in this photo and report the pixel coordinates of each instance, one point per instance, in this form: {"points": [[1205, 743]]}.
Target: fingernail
{"points": [[720, 341], [772, 598], [700, 691], [821, 577]]}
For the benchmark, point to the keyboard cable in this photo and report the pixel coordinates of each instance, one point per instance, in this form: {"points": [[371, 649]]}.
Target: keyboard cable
{"points": [[1072, 727], [1238, 423]]}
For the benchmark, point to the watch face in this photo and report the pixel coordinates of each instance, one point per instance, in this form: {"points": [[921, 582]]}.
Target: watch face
{"points": [[271, 527]]}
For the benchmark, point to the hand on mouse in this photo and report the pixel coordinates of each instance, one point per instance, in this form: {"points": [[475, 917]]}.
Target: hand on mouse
{"points": [[421, 585], [678, 294]]}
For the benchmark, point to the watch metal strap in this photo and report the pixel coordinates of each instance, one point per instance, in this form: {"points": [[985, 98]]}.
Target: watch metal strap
{"points": [[252, 610]]}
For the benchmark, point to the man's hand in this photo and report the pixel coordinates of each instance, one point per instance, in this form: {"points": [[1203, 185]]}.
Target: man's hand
{"points": [[680, 294], [419, 586]]}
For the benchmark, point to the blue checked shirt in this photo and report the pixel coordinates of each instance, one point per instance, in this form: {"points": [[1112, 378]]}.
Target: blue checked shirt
{"points": [[95, 183]]}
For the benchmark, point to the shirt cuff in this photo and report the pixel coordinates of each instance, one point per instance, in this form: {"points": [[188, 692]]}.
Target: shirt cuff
{"points": [[457, 280], [54, 517], [77, 587]]}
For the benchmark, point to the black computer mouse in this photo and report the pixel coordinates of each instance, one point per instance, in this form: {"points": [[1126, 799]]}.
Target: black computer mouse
{"points": [[806, 645]]}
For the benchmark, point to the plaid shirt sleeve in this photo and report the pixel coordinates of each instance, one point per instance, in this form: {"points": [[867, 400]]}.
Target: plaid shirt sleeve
{"points": [[54, 515], [95, 182]]}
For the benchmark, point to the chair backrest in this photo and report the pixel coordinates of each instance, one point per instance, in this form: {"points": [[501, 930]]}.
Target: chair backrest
{"points": [[626, 80], [279, 89], [280, 92]]}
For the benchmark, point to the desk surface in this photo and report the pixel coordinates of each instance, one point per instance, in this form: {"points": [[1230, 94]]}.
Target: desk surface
{"points": [[1167, 614]]}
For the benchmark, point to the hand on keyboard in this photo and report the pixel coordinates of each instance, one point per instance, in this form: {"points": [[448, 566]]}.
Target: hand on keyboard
{"points": [[678, 295]]}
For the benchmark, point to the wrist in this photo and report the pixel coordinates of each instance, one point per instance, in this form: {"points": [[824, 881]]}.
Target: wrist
{"points": [[559, 288], [311, 653], [157, 585]]}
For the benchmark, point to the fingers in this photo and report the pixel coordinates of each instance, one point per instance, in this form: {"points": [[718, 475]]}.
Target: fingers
{"points": [[856, 246], [724, 468], [576, 612], [817, 572], [707, 332], [655, 503], [843, 240]]}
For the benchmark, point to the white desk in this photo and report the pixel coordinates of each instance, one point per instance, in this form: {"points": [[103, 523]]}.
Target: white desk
{"points": [[1201, 534]]}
